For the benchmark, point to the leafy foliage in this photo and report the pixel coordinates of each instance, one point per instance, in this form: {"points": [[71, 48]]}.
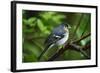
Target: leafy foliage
{"points": [[37, 25]]}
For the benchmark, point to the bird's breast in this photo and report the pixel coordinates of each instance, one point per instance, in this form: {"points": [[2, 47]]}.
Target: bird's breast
{"points": [[63, 40]]}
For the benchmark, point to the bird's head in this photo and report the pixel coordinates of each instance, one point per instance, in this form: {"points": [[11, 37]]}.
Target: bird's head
{"points": [[65, 26]]}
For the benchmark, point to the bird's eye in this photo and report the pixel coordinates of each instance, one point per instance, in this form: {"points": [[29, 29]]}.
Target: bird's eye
{"points": [[67, 25]]}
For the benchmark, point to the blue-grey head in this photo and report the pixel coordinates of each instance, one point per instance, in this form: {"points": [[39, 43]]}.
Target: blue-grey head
{"points": [[65, 25], [61, 29]]}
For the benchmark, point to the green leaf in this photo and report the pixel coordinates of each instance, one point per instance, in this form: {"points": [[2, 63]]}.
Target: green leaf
{"points": [[31, 21], [42, 27]]}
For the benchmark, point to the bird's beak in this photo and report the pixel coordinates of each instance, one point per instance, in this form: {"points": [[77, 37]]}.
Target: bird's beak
{"points": [[69, 27]]}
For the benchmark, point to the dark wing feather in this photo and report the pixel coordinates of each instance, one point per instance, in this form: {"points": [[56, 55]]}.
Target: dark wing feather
{"points": [[53, 38]]}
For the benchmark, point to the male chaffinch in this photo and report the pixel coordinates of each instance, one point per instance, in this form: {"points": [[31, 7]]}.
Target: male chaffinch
{"points": [[58, 37]]}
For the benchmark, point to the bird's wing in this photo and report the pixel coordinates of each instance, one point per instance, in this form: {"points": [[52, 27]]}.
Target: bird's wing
{"points": [[50, 41], [53, 38]]}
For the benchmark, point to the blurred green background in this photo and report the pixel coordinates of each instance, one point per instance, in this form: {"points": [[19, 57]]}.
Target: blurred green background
{"points": [[37, 25]]}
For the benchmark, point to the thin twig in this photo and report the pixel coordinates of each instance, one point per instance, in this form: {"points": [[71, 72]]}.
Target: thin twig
{"points": [[84, 30], [82, 38], [78, 25], [85, 27], [87, 46]]}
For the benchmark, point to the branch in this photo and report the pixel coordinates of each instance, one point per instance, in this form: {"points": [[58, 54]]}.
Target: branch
{"points": [[73, 47], [59, 52], [69, 45], [82, 38], [80, 49]]}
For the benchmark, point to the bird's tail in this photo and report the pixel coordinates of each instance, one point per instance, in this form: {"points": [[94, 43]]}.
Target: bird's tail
{"points": [[42, 53]]}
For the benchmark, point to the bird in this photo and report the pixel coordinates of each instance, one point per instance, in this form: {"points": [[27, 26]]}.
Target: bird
{"points": [[58, 36]]}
